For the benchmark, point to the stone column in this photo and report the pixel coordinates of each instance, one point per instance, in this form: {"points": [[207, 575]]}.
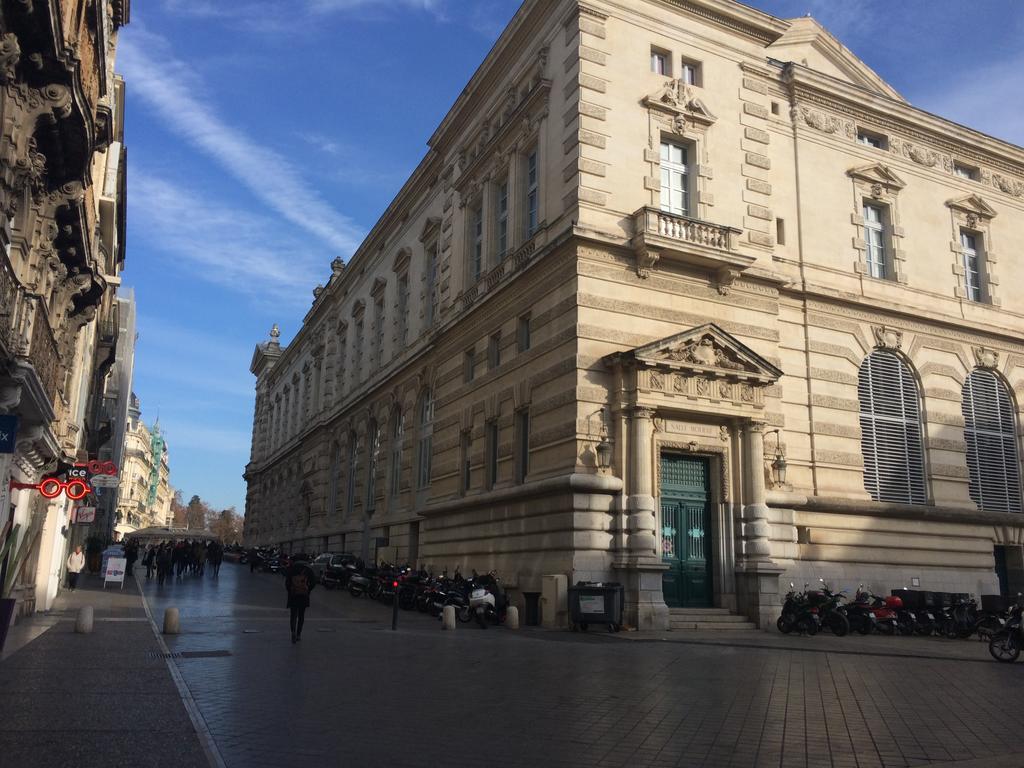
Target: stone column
{"points": [[643, 566], [757, 577], [756, 546], [642, 524]]}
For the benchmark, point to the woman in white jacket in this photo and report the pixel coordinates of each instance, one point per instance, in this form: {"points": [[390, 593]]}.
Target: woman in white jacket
{"points": [[76, 562]]}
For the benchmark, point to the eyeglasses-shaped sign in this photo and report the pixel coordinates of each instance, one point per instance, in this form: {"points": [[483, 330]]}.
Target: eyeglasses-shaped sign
{"points": [[76, 488]]}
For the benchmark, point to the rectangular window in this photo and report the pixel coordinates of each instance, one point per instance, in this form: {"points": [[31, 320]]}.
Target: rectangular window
{"points": [[494, 351], [775, 107], [965, 171], [468, 362], [378, 332], [433, 292], [970, 247], [403, 310], [476, 242], [492, 453], [465, 458], [501, 219], [675, 180], [532, 194], [522, 437], [357, 353], [871, 139], [661, 62], [690, 73], [523, 333], [780, 231], [874, 241]]}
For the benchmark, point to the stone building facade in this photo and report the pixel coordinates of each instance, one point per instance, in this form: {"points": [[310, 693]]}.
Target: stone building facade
{"points": [[144, 493], [684, 296], [62, 224]]}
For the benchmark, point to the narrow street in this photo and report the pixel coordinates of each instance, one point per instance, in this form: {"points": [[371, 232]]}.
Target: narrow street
{"points": [[354, 692]]}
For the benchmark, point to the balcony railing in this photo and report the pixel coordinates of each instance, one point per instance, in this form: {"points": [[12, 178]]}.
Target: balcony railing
{"points": [[12, 307], [685, 229], [43, 354]]}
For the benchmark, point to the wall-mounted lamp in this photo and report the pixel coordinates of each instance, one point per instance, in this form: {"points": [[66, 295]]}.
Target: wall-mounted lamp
{"points": [[603, 449], [779, 462]]}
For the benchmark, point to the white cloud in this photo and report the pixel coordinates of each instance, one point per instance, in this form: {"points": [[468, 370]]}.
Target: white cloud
{"points": [[248, 254], [984, 98], [172, 89]]}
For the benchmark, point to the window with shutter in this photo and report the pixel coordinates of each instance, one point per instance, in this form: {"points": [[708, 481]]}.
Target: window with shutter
{"points": [[990, 431], [890, 424]]}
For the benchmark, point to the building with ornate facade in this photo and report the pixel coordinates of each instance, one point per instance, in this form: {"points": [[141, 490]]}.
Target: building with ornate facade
{"points": [[144, 491], [683, 296], [62, 225]]}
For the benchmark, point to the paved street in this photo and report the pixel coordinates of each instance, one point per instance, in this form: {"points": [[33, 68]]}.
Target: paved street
{"points": [[354, 691]]}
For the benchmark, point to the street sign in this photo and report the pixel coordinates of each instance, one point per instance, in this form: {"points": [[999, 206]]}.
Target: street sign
{"points": [[8, 432], [115, 569], [104, 481], [85, 514]]}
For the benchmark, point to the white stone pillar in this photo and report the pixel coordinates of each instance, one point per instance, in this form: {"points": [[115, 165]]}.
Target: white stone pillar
{"points": [[756, 546], [642, 540]]}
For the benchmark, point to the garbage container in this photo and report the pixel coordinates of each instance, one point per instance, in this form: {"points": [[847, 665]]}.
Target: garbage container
{"points": [[596, 603]]}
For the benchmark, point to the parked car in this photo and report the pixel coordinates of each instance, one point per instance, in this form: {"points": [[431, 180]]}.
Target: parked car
{"points": [[336, 574], [319, 563]]}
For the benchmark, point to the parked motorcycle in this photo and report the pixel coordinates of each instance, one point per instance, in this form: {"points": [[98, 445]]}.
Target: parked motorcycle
{"points": [[1005, 644], [860, 614], [797, 614], [831, 612]]}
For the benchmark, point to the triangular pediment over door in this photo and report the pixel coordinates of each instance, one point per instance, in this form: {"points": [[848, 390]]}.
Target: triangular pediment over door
{"points": [[703, 365]]}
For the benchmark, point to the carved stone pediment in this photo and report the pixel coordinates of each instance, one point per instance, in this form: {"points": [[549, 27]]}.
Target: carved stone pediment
{"points": [[706, 350], [973, 205], [678, 98], [877, 173]]}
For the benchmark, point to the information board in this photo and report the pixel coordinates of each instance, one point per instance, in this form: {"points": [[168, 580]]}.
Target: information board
{"points": [[114, 571]]}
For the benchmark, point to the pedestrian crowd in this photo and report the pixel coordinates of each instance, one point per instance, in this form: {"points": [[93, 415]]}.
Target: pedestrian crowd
{"points": [[177, 559]]}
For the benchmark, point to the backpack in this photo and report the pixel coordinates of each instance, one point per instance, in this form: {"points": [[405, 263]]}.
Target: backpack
{"points": [[300, 584]]}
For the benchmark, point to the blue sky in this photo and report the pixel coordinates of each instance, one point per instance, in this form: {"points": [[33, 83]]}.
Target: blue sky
{"points": [[266, 137]]}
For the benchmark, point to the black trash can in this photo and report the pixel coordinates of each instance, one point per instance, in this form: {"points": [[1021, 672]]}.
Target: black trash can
{"points": [[595, 603]]}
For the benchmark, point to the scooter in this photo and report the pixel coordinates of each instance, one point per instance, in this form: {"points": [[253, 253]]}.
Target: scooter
{"points": [[1005, 644], [797, 614], [859, 613]]}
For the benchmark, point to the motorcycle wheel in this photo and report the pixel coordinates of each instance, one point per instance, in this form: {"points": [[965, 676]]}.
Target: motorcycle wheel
{"points": [[354, 590], [1004, 646], [784, 625], [988, 627], [807, 626], [839, 624], [481, 619], [862, 625], [949, 630], [463, 614], [406, 601]]}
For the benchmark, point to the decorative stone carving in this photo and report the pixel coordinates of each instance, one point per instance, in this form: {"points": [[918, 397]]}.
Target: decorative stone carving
{"points": [[819, 121], [725, 389], [646, 258], [338, 266], [704, 351], [677, 98], [887, 338], [726, 277], [656, 381], [1008, 186], [10, 52], [986, 358]]}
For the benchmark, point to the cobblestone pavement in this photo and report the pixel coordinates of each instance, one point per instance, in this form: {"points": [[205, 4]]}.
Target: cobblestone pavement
{"points": [[354, 692], [102, 699]]}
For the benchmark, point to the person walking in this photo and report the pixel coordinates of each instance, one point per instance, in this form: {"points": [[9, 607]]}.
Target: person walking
{"points": [[299, 581], [149, 560], [253, 558], [76, 562], [131, 554], [164, 564]]}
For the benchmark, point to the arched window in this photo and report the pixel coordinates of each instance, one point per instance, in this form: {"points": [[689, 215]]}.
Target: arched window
{"points": [[397, 439], [425, 448], [353, 468], [373, 453], [333, 480], [990, 431], [890, 425]]}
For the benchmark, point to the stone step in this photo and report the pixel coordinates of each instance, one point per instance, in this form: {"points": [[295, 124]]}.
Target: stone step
{"points": [[711, 625], [720, 619], [699, 612]]}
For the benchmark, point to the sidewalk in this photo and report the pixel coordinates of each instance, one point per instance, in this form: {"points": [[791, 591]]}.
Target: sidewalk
{"points": [[936, 648], [101, 699]]}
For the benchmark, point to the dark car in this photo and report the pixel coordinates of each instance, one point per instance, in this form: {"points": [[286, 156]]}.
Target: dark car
{"points": [[335, 573]]}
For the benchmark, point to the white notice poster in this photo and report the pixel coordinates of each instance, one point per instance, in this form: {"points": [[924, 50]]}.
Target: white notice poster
{"points": [[115, 571]]}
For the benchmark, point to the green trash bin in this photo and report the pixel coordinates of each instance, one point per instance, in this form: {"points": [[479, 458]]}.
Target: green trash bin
{"points": [[596, 603]]}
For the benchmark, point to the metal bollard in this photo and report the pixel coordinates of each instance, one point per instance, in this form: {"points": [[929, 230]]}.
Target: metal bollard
{"points": [[172, 622], [448, 617], [512, 617], [83, 624]]}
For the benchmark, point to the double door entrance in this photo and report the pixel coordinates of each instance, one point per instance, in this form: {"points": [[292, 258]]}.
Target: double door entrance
{"points": [[686, 531]]}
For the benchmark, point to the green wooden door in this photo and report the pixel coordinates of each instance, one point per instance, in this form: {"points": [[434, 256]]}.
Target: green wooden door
{"points": [[686, 531]]}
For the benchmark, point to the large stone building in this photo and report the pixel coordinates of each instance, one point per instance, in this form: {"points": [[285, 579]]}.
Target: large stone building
{"points": [[144, 492], [684, 296], [62, 220]]}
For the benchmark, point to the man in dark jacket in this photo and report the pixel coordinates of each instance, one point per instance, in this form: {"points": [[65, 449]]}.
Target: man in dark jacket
{"points": [[299, 581]]}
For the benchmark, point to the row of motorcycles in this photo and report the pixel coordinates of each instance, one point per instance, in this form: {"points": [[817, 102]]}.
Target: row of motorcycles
{"points": [[480, 596], [903, 612]]}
